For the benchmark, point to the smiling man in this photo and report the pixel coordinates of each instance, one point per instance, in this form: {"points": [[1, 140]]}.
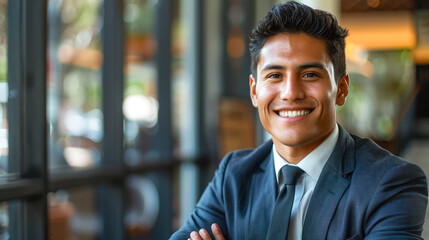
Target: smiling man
{"points": [[296, 93], [313, 180]]}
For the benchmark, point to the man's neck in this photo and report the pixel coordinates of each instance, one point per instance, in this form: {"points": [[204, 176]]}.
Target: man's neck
{"points": [[294, 154]]}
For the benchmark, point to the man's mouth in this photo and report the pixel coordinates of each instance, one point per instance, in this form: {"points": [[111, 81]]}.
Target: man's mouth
{"points": [[293, 113]]}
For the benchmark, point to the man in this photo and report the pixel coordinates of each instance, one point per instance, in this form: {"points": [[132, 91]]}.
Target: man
{"points": [[346, 187]]}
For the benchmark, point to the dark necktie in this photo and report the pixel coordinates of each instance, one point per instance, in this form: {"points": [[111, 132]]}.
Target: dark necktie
{"points": [[282, 209]]}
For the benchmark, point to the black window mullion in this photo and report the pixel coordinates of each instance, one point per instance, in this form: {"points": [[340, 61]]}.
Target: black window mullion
{"points": [[27, 117], [15, 225], [111, 204], [15, 109], [203, 154], [34, 165], [35, 219], [15, 85], [110, 197], [23, 188], [113, 82], [163, 139], [80, 178], [35, 140], [27, 88]]}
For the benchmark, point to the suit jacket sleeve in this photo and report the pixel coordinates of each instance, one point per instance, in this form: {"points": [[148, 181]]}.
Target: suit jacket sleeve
{"points": [[210, 208], [398, 207]]}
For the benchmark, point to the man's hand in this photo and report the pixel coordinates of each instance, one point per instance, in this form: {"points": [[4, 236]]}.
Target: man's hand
{"points": [[204, 235]]}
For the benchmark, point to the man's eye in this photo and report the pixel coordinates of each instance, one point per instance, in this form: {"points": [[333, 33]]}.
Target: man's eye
{"points": [[274, 76], [310, 75]]}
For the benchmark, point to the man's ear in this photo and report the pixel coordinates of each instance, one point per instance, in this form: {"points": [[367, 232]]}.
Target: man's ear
{"points": [[252, 86], [343, 90]]}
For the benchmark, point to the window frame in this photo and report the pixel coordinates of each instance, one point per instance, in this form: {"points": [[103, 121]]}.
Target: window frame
{"points": [[27, 190]]}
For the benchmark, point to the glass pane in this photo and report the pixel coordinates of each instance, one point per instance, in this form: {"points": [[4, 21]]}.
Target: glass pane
{"points": [[4, 221], [140, 106], [185, 100], [236, 67], [178, 41], [235, 41], [74, 83], [183, 79], [148, 212], [73, 215], [4, 145]]}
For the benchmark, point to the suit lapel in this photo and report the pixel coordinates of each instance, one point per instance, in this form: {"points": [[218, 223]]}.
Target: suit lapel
{"points": [[330, 188], [262, 195], [323, 204]]}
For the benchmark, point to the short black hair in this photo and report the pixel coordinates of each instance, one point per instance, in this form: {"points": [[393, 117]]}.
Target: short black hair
{"points": [[294, 17]]}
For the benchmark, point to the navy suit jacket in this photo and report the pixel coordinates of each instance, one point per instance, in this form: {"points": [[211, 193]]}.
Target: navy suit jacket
{"points": [[363, 192]]}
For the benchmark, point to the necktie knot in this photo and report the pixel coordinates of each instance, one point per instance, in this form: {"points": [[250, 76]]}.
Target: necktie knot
{"points": [[291, 174]]}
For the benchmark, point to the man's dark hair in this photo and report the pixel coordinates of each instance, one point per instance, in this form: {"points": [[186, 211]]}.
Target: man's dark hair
{"points": [[294, 17]]}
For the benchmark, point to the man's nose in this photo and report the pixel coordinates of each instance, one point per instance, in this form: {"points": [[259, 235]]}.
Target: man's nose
{"points": [[292, 88]]}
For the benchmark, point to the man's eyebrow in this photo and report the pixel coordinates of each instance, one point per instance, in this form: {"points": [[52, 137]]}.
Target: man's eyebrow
{"points": [[312, 65], [273, 67], [303, 66]]}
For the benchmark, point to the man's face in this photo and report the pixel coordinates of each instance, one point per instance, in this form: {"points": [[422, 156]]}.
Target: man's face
{"points": [[295, 91]]}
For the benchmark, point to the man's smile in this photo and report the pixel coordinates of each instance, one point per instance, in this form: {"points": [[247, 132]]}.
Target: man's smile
{"points": [[293, 113]]}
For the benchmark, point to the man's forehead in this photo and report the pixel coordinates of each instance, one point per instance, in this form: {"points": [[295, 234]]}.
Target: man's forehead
{"points": [[293, 48]]}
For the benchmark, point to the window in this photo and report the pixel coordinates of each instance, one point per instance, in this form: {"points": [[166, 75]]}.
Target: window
{"points": [[141, 104], [64, 127], [74, 83], [102, 107]]}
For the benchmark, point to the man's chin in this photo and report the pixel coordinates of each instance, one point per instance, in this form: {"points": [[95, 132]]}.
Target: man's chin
{"points": [[291, 142]]}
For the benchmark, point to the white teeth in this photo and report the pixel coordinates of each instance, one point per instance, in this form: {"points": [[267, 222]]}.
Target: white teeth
{"points": [[294, 113]]}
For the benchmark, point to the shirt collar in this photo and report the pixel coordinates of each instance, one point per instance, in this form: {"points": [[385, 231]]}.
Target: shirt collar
{"points": [[314, 162]]}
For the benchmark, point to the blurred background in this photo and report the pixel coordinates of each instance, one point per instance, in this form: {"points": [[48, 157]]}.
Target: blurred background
{"points": [[114, 114]]}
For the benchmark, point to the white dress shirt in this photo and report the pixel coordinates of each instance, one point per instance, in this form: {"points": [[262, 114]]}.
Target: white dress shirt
{"points": [[312, 165]]}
